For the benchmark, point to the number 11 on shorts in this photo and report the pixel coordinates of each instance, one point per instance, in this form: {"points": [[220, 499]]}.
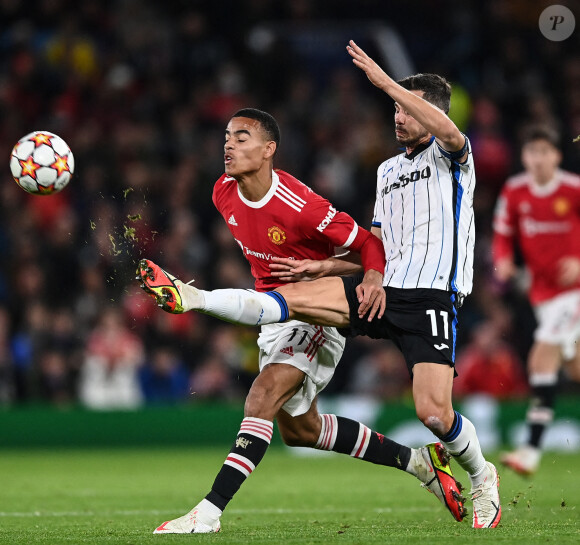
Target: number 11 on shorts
{"points": [[445, 318]]}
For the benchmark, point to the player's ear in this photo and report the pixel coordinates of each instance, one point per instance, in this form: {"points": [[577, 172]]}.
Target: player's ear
{"points": [[270, 149]]}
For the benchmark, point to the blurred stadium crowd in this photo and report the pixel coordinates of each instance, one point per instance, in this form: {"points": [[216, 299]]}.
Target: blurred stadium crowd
{"points": [[142, 90]]}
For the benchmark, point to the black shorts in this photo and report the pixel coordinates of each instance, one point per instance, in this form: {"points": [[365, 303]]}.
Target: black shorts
{"points": [[421, 322]]}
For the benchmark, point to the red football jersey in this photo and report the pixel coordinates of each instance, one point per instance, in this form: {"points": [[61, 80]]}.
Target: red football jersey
{"points": [[545, 223], [289, 221]]}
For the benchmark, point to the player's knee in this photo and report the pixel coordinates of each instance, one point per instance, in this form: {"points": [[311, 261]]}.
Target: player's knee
{"points": [[259, 404], [434, 418]]}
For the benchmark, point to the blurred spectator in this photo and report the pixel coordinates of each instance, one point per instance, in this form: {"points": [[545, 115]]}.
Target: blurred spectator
{"points": [[7, 386], [229, 367], [211, 380], [109, 376], [382, 373], [489, 365], [164, 378], [489, 144], [28, 343], [54, 378], [489, 370]]}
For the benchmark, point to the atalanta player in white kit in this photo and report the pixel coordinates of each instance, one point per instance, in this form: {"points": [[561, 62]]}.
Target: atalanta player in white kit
{"points": [[271, 214], [539, 211]]}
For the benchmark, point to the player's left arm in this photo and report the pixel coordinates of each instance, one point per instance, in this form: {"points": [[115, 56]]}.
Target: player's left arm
{"points": [[502, 246], [304, 270], [436, 121], [293, 270], [370, 281]]}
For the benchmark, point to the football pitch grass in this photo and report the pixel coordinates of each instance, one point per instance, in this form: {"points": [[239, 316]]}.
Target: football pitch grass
{"points": [[119, 496]]}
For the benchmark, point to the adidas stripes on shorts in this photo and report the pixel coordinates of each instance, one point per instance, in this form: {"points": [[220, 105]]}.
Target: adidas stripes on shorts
{"points": [[315, 350]]}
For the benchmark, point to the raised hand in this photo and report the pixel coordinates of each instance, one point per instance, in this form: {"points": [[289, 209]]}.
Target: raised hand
{"points": [[374, 72]]}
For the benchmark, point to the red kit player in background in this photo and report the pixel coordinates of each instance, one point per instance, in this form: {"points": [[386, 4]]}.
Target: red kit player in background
{"points": [[539, 210], [270, 213]]}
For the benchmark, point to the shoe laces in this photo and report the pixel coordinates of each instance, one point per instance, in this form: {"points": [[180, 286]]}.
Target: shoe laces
{"points": [[476, 494], [484, 511]]}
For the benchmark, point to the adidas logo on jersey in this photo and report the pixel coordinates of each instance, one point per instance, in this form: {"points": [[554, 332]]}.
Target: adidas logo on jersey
{"points": [[232, 221], [287, 350]]}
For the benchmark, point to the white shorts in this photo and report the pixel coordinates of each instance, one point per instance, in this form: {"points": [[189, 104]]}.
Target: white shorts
{"points": [[559, 322], [313, 349]]}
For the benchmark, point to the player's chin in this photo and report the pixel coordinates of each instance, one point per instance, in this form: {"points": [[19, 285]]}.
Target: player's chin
{"points": [[408, 141], [229, 169]]}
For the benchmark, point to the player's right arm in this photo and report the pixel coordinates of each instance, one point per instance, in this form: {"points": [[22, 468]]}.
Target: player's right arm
{"points": [[504, 267], [448, 136]]}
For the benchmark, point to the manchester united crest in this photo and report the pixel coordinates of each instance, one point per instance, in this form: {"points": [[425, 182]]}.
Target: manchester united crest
{"points": [[561, 206], [276, 235]]}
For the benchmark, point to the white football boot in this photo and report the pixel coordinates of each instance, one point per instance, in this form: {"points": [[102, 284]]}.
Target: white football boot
{"points": [[197, 521], [486, 503]]}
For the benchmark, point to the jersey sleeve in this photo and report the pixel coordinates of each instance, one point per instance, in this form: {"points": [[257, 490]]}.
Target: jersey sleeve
{"points": [[219, 193], [214, 197], [503, 228], [326, 223], [378, 211], [456, 155]]}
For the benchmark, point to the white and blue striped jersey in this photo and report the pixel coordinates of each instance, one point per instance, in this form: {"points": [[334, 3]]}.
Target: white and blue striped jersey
{"points": [[424, 208]]}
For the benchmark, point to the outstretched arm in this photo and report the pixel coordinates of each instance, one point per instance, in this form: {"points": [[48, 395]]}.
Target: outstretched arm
{"points": [[304, 270], [502, 244], [432, 118]]}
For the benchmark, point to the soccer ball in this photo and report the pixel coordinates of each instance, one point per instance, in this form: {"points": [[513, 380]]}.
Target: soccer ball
{"points": [[42, 163]]}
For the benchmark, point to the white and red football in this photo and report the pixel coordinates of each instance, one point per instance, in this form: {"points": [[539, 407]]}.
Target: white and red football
{"points": [[42, 163]]}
